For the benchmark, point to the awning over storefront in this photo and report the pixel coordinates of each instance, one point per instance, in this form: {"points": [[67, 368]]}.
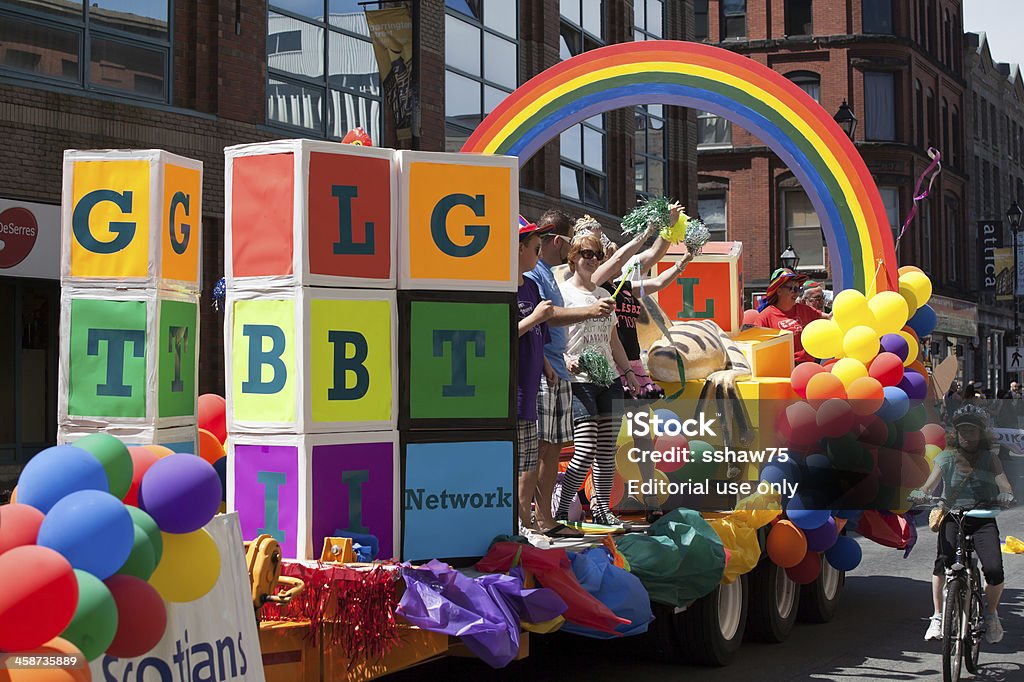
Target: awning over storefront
{"points": [[955, 317]]}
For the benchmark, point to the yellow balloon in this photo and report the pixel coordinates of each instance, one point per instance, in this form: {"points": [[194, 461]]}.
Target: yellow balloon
{"points": [[624, 436], [919, 284], [850, 309], [931, 452], [189, 567], [849, 370], [660, 475], [904, 269], [914, 349], [910, 297], [861, 343], [822, 338], [890, 310], [628, 470]]}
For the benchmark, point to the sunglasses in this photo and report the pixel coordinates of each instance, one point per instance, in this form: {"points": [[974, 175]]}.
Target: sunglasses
{"points": [[559, 237], [587, 254], [794, 289]]}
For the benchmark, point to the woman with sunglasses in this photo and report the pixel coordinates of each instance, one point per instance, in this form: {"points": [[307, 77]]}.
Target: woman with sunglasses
{"points": [[780, 309], [970, 473], [596, 408]]}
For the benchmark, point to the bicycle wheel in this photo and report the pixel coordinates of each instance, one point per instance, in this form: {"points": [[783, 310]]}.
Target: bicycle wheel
{"points": [[952, 630], [974, 619]]}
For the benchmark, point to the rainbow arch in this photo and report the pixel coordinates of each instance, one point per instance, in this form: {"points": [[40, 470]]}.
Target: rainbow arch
{"points": [[764, 102]]}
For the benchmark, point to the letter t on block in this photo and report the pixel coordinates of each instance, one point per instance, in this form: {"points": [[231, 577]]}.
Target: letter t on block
{"points": [[116, 339], [459, 340]]}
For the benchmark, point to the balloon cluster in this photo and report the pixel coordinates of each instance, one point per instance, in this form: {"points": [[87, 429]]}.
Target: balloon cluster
{"points": [[213, 435], [98, 537], [799, 542]]}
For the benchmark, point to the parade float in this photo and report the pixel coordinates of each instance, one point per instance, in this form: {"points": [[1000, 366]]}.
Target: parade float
{"points": [[366, 447]]}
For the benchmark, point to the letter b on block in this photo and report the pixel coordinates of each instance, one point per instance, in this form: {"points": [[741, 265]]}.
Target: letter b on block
{"points": [[263, 360]]}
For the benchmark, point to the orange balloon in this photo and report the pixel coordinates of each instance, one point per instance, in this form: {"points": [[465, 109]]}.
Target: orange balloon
{"points": [[866, 395], [210, 447], [824, 386], [160, 450], [14, 495], [786, 545], [55, 647]]}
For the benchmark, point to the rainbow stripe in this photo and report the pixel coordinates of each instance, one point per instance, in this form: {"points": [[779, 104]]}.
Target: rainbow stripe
{"points": [[764, 102]]}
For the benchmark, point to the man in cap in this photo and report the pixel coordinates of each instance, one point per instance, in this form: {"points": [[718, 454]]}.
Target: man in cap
{"points": [[780, 309]]}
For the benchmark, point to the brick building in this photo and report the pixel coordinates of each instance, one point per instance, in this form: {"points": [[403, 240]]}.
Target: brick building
{"points": [[995, 144], [899, 66], [194, 76]]}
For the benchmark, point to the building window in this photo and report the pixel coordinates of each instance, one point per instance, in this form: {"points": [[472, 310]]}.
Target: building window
{"points": [[799, 18], [322, 76], [803, 229], [650, 167], [877, 16], [983, 118], [808, 81], [997, 191], [880, 105], [986, 188], [712, 210], [918, 114], [930, 117], [974, 101], [955, 132], [952, 232], [891, 201], [584, 165], [104, 45], [994, 126], [700, 20], [976, 181], [713, 131], [945, 127], [481, 58], [734, 19]]}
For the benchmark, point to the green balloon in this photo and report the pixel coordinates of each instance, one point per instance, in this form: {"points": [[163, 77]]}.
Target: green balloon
{"points": [[145, 522], [94, 624], [915, 419], [141, 562], [847, 454], [114, 457]]}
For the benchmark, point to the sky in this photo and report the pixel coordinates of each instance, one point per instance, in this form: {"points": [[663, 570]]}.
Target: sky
{"points": [[1003, 21]]}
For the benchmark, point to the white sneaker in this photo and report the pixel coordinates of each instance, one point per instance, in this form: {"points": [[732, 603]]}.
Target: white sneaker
{"points": [[934, 629], [993, 629], [535, 538]]}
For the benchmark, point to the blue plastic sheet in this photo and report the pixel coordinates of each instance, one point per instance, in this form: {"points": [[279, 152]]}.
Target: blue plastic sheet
{"points": [[616, 588]]}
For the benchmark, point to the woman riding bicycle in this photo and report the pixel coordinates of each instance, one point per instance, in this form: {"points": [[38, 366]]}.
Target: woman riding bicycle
{"points": [[972, 474]]}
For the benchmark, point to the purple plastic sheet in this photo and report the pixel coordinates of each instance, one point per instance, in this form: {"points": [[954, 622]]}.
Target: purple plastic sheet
{"points": [[483, 612]]}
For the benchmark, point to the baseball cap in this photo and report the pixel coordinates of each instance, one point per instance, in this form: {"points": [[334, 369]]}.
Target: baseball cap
{"points": [[526, 228]]}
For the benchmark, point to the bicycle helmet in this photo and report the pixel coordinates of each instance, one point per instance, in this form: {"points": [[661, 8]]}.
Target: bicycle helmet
{"points": [[972, 414]]}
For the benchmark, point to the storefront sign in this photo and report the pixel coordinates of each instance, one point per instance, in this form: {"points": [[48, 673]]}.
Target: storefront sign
{"points": [[29, 239], [990, 238]]}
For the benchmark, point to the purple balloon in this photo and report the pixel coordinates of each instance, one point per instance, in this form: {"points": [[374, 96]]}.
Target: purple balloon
{"points": [[181, 492], [914, 385], [823, 537], [895, 344]]}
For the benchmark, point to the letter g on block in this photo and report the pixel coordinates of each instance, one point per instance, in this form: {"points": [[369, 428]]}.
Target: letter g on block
{"points": [[124, 230], [478, 234]]}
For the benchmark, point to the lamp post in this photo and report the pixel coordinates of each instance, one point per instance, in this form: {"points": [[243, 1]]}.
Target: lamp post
{"points": [[789, 258], [846, 120], [1013, 216]]}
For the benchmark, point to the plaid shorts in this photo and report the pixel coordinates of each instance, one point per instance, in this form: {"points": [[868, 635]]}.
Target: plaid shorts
{"points": [[554, 412], [529, 455]]}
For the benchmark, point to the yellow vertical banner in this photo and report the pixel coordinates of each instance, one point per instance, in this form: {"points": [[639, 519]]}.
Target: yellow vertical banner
{"points": [[264, 371], [351, 360], [110, 218], [181, 223]]}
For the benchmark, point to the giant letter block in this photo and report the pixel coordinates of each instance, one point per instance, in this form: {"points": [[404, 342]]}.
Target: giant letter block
{"points": [[128, 356], [710, 288], [311, 360], [458, 493], [459, 218], [310, 213], [457, 360], [301, 489], [131, 217]]}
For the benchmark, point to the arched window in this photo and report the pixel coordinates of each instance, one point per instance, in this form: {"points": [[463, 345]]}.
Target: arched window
{"points": [[945, 127], [930, 117], [808, 81], [956, 132], [919, 114]]}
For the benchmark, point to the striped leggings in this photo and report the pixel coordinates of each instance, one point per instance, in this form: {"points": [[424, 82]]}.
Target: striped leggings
{"points": [[594, 441]]}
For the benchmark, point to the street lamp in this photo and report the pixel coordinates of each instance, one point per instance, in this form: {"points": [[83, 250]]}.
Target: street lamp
{"points": [[1013, 216], [789, 258], [846, 120]]}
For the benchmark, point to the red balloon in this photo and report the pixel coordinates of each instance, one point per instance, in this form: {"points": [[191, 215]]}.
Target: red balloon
{"points": [[828, 365], [211, 415], [825, 386], [141, 616], [914, 443], [807, 571], [38, 598], [142, 458], [835, 418], [19, 525], [890, 467], [802, 373], [887, 368], [915, 470], [665, 445], [876, 432], [934, 434], [798, 424]]}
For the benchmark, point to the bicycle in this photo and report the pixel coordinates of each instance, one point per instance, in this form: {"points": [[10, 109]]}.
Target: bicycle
{"points": [[963, 613]]}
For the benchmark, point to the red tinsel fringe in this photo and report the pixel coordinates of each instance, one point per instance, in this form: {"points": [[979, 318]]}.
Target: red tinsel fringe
{"points": [[350, 608]]}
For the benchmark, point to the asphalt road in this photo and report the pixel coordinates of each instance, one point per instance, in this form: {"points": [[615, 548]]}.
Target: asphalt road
{"points": [[878, 634]]}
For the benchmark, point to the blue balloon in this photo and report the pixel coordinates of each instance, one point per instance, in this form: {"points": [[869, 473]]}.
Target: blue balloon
{"points": [[923, 322], [92, 530], [845, 555], [895, 405], [774, 473], [803, 517], [57, 472], [221, 467], [666, 415]]}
